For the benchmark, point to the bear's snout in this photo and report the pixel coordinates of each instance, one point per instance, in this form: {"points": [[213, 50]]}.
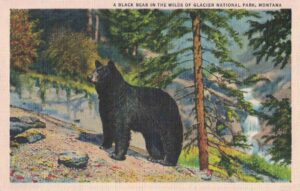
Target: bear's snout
{"points": [[89, 78]]}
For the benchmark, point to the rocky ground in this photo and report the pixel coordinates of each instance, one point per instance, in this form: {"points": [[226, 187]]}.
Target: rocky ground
{"points": [[41, 147]]}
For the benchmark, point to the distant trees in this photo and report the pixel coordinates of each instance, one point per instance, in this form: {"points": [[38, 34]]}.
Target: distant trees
{"points": [[55, 20], [93, 24], [128, 29], [24, 40], [71, 53]]}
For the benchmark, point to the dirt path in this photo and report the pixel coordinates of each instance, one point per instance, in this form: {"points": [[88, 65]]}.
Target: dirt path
{"points": [[37, 162]]}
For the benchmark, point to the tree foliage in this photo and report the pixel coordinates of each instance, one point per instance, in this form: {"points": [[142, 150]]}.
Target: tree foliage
{"points": [[71, 54], [128, 29], [271, 40], [24, 40], [280, 120], [54, 20]]}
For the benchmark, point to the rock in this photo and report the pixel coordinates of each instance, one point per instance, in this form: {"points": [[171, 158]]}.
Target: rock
{"points": [[14, 119], [29, 136], [236, 127], [226, 134], [20, 124], [206, 177], [228, 138], [73, 159], [32, 121], [18, 128]]}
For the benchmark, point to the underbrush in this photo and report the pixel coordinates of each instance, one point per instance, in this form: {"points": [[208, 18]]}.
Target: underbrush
{"points": [[235, 165]]}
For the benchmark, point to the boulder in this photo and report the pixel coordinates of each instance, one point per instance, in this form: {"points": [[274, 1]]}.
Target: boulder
{"points": [[18, 128], [28, 120], [73, 159], [29, 136], [20, 124]]}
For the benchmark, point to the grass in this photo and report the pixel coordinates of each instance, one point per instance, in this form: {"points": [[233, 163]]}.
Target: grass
{"points": [[254, 162], [31, 77], [260, 165]]}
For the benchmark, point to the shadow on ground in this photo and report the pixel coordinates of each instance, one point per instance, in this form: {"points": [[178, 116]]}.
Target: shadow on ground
{"points": [[97, 139]]}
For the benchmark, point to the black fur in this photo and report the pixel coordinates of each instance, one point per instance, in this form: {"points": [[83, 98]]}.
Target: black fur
{"points": [[147, 110]]}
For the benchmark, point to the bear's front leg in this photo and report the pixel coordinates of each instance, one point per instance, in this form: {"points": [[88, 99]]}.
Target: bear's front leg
{"points": [[108, 136], [108, 129], [122, 137]]}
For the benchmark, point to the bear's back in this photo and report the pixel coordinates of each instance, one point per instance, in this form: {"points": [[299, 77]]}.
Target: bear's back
{"points": [[155, 98]]}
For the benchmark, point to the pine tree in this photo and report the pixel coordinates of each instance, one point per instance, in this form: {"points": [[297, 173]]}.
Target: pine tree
{"points": [[215, 77], [279, 118], [199, 87]]}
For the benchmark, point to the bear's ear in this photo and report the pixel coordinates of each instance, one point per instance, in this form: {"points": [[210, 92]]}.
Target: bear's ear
{"points": [[111, 64], [97, 64]]}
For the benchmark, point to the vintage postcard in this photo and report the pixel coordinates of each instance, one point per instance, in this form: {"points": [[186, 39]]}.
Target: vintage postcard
{"points": [[128, 95]]}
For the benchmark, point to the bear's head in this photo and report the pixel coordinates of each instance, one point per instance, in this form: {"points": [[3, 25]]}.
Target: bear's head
{"points": [[103, 74]]}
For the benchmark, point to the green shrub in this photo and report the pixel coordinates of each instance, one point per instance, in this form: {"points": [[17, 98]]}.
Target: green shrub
{"points": [[71, 54]]}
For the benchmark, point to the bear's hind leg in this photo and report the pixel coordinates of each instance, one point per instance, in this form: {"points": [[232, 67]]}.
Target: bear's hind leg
{"points": [[172, 147], [154, 147]]}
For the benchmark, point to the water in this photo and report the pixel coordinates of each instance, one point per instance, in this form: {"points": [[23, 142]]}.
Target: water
{"points": [[251, 126], [248, 95]]}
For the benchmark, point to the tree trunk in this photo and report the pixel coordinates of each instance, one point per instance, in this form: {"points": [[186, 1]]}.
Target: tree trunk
{"points": [[97, 32], [135, 49], [89, 29], [199, 87]]}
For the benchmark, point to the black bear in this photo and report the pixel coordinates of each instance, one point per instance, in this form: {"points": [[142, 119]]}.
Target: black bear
{"points": [[151, 111]]}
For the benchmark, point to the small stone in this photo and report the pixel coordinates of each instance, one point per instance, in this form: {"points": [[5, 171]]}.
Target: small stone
{"points": [[73, 159], [14, 119], [207, 175], [14, 144], [29, 136]]}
